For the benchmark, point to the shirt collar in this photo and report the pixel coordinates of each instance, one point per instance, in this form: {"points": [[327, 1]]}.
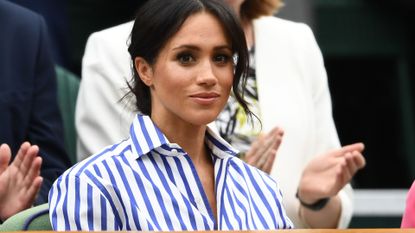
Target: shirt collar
{"points": [[145, 136], [218, 146]]}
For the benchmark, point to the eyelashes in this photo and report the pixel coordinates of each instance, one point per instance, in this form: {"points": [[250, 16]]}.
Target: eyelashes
{"points": [[185, 58], [188, 58], [222, 58]]}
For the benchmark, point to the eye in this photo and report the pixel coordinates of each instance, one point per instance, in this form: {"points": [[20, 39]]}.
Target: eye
{"points": [[185, 58], [221, 58]]}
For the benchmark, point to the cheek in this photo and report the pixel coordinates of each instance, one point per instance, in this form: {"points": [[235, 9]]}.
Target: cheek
{"points": [[170, 82], [227, 79], [163, 77]]}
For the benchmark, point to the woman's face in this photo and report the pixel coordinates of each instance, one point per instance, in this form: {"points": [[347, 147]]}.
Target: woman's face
{"points": [[193, 74]]}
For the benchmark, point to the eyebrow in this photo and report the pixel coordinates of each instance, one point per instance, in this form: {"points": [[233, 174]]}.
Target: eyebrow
{"points": [[193, 47]]}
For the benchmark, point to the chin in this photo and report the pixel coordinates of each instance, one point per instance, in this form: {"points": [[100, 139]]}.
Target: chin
{"points": [[203, 117]]}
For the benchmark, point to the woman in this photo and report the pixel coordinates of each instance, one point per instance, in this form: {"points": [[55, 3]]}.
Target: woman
{"points": [[293, 104], [287, 89], [174, 173]]}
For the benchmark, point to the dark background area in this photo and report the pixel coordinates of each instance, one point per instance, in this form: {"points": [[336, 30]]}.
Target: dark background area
{"points": [[369, 59], [70, 22], [369, 56]]}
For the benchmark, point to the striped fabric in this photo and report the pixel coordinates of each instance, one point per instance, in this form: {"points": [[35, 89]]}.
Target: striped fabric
{"points": [[147, 183]]}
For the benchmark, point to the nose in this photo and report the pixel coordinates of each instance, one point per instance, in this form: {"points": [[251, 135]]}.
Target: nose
{"points": [[206, 75]]}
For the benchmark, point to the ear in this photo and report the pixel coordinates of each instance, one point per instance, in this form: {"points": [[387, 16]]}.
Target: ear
{"points": [[144, 70]]}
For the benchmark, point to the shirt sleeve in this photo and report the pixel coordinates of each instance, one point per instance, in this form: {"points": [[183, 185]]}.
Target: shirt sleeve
{"points": [[82, 204]]}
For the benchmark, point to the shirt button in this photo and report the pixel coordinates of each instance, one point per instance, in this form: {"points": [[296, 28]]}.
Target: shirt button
{"points": [[174, 151]]}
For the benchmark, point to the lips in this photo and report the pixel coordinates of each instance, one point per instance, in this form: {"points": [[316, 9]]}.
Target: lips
{"points": [[205, 98], [206, 95]]}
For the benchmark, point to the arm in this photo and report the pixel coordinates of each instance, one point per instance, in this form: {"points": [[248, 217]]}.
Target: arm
{"points": [[100, 118]]}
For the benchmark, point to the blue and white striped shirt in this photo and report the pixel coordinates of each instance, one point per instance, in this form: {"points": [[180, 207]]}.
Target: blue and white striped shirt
{"points": [[147, 183]]}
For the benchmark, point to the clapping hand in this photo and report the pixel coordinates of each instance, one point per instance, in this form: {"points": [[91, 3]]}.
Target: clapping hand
{"points": [[19, 181], [263, 151], [326, 175]]}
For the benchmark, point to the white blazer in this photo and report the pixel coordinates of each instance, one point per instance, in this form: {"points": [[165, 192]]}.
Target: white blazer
{"points": [[292, 87], [294, 95]]}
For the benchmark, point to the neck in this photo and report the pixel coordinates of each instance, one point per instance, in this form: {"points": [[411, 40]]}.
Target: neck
{"points": [[190, 137]]}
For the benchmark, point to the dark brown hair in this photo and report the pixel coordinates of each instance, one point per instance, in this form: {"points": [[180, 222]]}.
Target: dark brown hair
{"points": [[159, 20]]}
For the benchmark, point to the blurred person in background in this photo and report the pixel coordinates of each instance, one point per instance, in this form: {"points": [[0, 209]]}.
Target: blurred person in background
{"points": [[30, 121]]}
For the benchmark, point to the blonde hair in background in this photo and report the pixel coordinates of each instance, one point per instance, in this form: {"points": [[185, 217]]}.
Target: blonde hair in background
{"points": [[252, 9]]}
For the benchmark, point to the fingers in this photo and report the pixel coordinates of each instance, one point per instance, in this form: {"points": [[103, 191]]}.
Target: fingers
{"points": [[32, 191], [350, 164], [280, 134], [272, 151], [268, 154], [263, 150], [267, 167], [28, 159], [359, 159], [347, 170], [354, 147], [265, 153], [33, 172], [355, 161], [351, 152], [31, 182], [5, 155], [250, 156], [326, 175], [24, 163], [20, 154]]}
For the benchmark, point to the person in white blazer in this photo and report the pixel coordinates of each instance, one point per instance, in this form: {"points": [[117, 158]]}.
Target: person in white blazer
{"points": [[293, 95]]}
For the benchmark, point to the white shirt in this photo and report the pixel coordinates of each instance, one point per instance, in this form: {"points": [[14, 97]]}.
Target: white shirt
{"points": [[146, 183]]}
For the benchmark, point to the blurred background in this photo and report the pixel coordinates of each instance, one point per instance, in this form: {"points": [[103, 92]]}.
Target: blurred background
{"points": [[369, 59]]}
